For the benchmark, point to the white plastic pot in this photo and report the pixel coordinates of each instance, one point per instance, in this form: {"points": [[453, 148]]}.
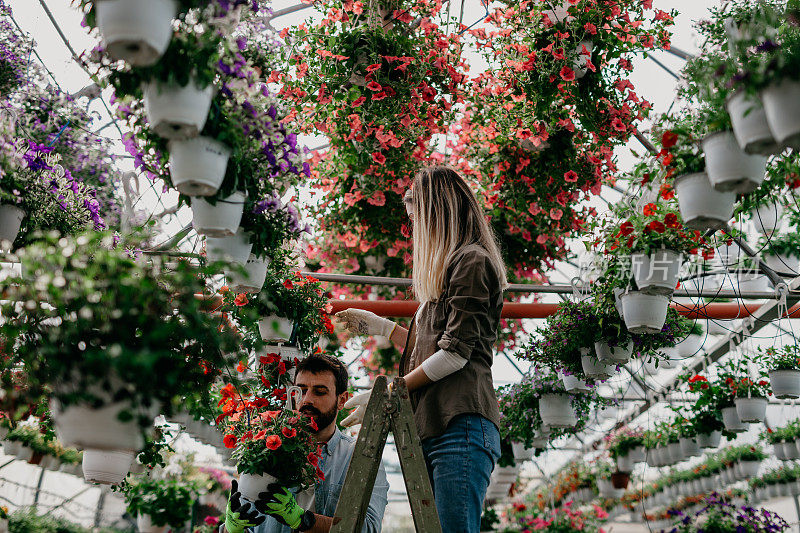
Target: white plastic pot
{"points": [[574, 384], [11, 448], [145, 525], [729, 254], [656, 273], [709, 440], [594, 369], [669, 357], [731, 420], [751, 282], [579, 65], [137, 32], [783, 112], [625, 463], [275, 328], [10, 221], [618, 355], [702, 207], [785, 383], [637, 454], [729, 168], [644, 313], [252, 280], [99, 429], [250, 486], [233, 249], [751, 409], [690, 345], [176, 112], [748, 469], [651, 366], [767, 218], [521, 453], [783, 263], [556, 410], [779, 451], [219, 220], [107, 467], [750, 126], [690, 447], [25, 453], [790, 451], [675, 452], [197, 166]]}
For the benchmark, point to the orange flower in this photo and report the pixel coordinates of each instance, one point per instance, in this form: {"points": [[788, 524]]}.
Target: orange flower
{"points": [[240, 300]]}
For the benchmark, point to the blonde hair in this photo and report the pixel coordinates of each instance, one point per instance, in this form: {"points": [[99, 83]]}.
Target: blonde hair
{"points": [[447, 217]]}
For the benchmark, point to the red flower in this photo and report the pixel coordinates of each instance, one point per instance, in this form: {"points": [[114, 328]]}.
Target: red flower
{"points": [[274, 442], [288, 284], [626, 228], [649, 210], [240, 300], [358, 101], [656, 226], [241, 367], [669, 139], [313, 459], [374, 86], [671, 220], [570, 176], [229, 441], [567, 74], [289, 432], [378, 158]]}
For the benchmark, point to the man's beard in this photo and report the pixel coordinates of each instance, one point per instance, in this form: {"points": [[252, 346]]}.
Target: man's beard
{"points": [[322, 420]]}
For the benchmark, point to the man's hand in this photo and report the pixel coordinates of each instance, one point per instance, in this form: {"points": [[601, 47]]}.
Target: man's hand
{"points": [[280, 503], [238, 515], [366, 322]]}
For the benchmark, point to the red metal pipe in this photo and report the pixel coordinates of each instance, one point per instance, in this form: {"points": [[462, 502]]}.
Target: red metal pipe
{"points": [[407, 308]]}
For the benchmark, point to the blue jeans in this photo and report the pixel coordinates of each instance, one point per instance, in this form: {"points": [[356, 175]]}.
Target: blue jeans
{"points": [[460, 462]]}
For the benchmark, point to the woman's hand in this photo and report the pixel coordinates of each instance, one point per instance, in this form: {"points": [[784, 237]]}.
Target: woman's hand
{"points": [[364, 322]]}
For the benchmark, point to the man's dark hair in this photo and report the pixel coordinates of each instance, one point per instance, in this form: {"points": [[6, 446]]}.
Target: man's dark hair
{"points": [[321, 362]]}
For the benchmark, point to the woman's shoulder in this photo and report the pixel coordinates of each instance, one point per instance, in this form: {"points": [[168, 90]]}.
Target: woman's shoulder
{"points": [[471, 259]]}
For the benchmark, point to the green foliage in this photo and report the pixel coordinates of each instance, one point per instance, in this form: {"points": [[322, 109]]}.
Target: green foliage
{"points": [[167, 502], [27, 521], [101, 325]]}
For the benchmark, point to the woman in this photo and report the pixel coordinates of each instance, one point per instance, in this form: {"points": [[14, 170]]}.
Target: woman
{"points": [[459, 278]]}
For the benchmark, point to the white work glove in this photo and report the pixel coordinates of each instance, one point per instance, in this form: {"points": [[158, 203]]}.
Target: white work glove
{"points": [[366, 323], [359, 401]]}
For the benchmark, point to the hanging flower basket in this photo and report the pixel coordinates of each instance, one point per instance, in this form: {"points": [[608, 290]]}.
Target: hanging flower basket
{"points": [[574, 384], [701, 206], [107, 467], [10, 221], [767, 218], [690, 446], [176, 112], [521, 452], [750, 126], [219, 220], [729, 168], [594, 369], [644, 313], [197, 166], [656, 273], [253, 278], [620, 480], [783, 263], [144, 524], [275, 328], [137, 32], [785, 383], [625, 463], [233, 249], [556, 410], [675, 453], [731, 420], [748, 469], [617, 355], [790, 451], [709, 440], [783, 113], [751, 409]]}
